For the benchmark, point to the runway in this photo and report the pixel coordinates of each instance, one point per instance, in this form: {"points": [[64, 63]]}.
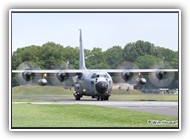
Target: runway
{"points": [[157, 107]]}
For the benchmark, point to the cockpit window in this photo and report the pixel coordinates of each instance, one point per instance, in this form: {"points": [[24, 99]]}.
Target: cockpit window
{"points": [[106, 75], [94, 75]]}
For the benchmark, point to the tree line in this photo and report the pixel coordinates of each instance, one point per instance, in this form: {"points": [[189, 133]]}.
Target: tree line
{"points": [[52, 56], [139, 54]]}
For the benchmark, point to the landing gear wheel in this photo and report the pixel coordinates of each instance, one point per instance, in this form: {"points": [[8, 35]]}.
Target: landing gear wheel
{"points": [[98, 98], [77, 97], [106, 98], [102, 98]]}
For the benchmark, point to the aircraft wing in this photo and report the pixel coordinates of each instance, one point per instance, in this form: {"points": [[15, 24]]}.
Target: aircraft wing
{"points": [[48, 71], [159, 77], [115, 71], [125, 74], [65, 76], [110, 71]]}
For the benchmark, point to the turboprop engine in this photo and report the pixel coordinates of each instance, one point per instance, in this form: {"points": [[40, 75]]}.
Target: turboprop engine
{"points": [[28, 75], [161, 75], [127, 76], [62, 76]]}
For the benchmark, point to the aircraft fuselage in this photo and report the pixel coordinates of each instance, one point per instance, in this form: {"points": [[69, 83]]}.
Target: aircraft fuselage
{"points": [[97, 84]]}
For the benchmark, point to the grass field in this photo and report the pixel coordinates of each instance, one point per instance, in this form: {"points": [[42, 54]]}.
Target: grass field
{"points": [[30, 115], [33, 115], [52, 91]]}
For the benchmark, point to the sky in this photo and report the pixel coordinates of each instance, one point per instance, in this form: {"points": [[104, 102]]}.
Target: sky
{"points": [[103, 30]]}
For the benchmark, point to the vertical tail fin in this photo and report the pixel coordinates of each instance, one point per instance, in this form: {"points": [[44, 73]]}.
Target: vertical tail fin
{"points": [[82, 59]]}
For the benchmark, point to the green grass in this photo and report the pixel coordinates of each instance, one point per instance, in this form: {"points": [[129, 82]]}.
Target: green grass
{"points": [[146, 97], [41, 90], [136, 95], [27, 92], [30, 115], [54, 91]]}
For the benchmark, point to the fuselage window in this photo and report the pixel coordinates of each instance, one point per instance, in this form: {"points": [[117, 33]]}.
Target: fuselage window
{"points": [[94, 75]]}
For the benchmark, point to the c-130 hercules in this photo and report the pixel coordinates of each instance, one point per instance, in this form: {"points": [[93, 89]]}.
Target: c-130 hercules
{"points": [[96, 83]]}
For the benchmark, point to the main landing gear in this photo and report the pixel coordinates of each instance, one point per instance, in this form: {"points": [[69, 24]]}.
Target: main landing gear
{"points": [[98, 97], [102, 98]]}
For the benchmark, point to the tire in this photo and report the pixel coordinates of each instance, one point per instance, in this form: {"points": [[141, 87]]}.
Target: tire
{"points": [[102, 98], [106, 98], [98, 98], [77, 98]]}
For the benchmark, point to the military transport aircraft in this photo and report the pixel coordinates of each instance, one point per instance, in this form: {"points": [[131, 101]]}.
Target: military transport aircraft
{"points": [[96, 83]]}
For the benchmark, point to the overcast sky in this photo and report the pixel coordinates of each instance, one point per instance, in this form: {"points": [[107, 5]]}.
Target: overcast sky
{"points": [[102, 30]]}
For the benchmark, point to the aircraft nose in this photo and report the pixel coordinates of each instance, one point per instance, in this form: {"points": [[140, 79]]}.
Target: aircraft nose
{"points": [[102, 87]]}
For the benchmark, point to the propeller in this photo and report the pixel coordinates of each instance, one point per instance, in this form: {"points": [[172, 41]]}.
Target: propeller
{"points": [[27, 77], [161, 78], [126, 75], [61, 78]]}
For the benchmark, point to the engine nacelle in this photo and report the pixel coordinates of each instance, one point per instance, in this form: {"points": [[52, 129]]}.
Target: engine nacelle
{"points": [[161, 75], [42, 82], [127, 76], [141, 81], [62, 76], [28, 76]]}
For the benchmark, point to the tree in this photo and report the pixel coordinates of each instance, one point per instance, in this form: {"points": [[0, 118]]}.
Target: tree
{"points": [[97, 60], [51, 54], [133, 50], [147, 61], [130, 53], [29, 53], [144, 48], [72, 56], [113, 56]]}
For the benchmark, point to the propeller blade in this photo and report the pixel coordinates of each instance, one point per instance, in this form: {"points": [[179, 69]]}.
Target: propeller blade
{"points": [[27, 78], [128, 77], [61, 78], [161, 78]]}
